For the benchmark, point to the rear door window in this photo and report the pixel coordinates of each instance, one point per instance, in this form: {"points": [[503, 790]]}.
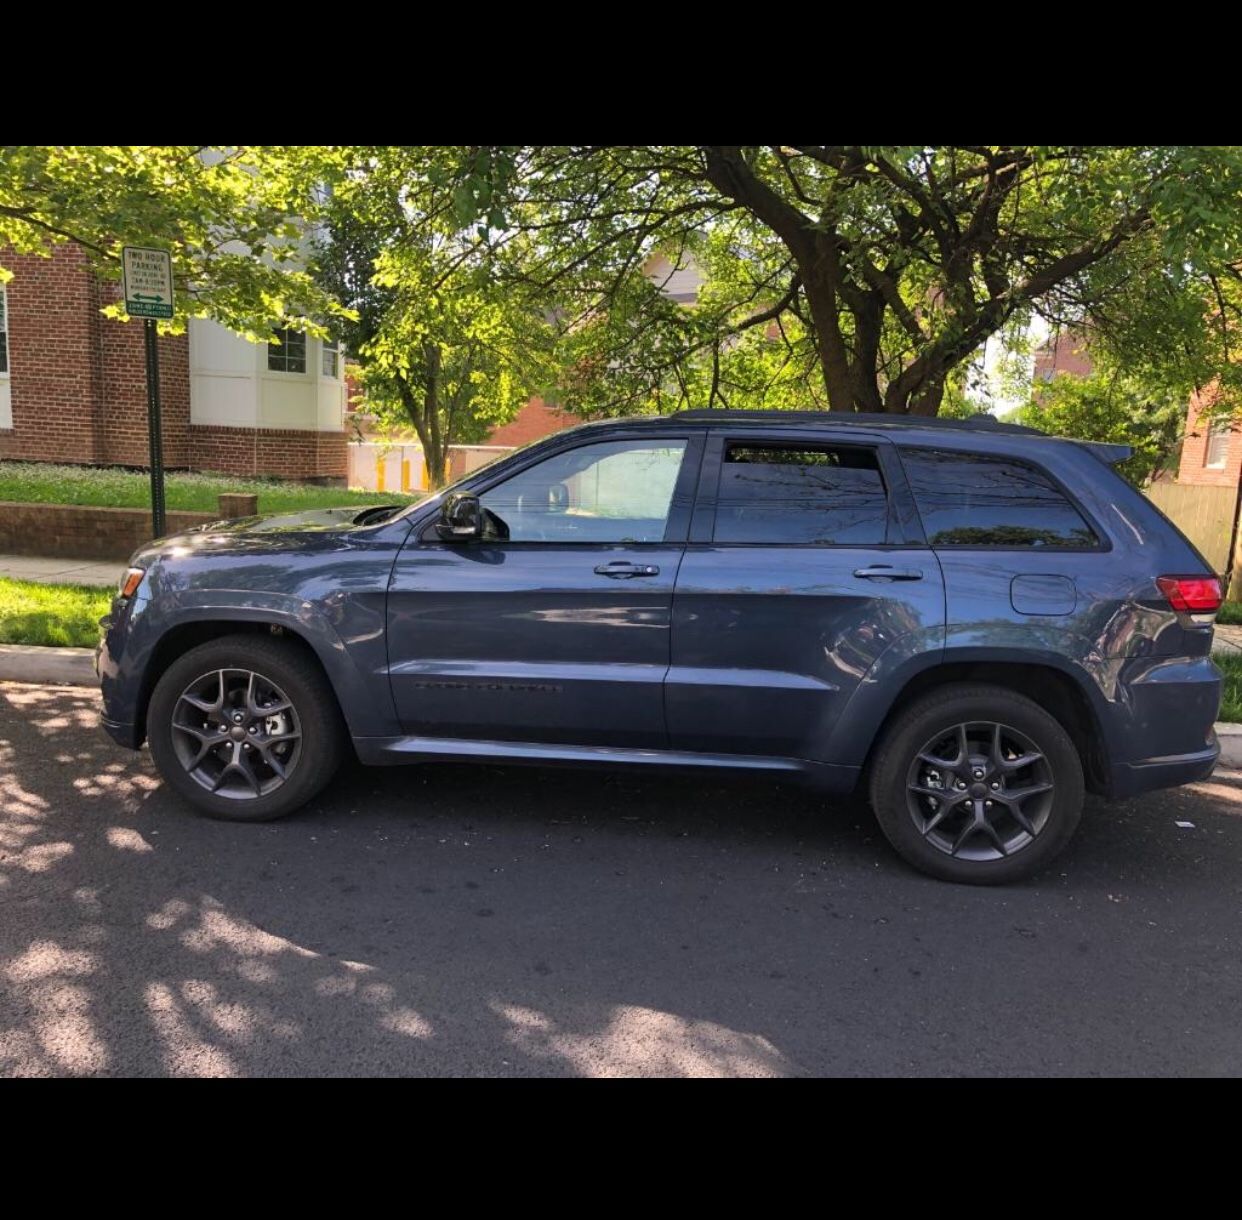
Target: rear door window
{"points": [[982, 500], [800, 495]]}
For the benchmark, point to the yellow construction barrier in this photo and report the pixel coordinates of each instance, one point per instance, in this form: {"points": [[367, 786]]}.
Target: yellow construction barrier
{"points": [[405, 474], [379, 474]]}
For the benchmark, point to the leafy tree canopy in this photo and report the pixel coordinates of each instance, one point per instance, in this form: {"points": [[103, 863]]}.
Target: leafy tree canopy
{"points": [[1110, 405], [232, 219], [446, 346], [855, 277]]}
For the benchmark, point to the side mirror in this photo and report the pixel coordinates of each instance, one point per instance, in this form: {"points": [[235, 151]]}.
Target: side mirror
{"points": [[461, 518]]}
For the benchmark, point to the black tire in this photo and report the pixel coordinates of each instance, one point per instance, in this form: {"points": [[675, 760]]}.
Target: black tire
{"points": [[313, 712], [907, 808]]}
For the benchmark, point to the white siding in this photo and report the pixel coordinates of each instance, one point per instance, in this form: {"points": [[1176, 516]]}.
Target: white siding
{"points": [[231, 385], [681, 284]]}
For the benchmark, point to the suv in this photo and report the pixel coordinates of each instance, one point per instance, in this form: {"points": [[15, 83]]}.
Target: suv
{"points": [[975, 622]]}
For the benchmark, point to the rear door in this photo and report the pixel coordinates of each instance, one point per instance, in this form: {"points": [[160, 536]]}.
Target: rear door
{"points": [[806, 567]]}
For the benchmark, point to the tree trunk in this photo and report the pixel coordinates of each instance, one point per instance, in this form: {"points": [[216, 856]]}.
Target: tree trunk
{"points": [[821, 299], [423, 415]]}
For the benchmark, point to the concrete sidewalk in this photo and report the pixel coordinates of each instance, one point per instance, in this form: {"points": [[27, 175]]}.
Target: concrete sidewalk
{"points": [[1227, 638], [61, 571]]}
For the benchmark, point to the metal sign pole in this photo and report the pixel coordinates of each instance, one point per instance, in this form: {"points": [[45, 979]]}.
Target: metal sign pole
{"points": [[147, 285], [153, 427]]}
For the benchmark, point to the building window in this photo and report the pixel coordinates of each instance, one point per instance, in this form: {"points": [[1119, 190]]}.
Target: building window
{"points": [[331, 357], [1217, 445], [290, 355], [4, 332]]}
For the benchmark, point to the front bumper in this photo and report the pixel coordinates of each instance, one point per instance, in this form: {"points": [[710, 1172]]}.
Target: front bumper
{"points": [[123, 733]]}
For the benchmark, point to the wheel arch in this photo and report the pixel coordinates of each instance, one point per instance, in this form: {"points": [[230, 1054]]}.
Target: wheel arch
{"points": [[1070, 698], [356, 696]]}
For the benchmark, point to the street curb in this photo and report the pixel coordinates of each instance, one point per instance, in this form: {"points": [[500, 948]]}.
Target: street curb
{"points": [[54, 666], [1230, 738]]}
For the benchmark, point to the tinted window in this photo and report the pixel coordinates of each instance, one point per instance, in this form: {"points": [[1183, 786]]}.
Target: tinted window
{"points": [[971, 499], [801, 494], [616, 491]]}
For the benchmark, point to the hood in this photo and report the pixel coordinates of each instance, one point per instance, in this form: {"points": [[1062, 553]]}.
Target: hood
{"points": [[308, 520], [271, 533]]}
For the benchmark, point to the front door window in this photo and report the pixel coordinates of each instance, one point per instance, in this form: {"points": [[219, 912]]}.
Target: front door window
{"points": [[611, 492]]}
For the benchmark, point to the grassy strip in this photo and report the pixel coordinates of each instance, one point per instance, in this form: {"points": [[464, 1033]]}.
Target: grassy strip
{"points": [[1230, 612], [58, 616], [109, 487], [1230, 665]]}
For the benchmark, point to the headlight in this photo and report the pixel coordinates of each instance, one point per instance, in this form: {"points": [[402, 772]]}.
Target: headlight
{"points": [[130, 581]]}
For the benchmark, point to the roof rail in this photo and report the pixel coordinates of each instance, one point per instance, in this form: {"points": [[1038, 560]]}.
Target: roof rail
{"points": [[975, 423]]}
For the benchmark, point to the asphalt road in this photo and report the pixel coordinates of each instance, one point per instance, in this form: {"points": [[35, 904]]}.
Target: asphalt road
{"points": [[477, 922]]}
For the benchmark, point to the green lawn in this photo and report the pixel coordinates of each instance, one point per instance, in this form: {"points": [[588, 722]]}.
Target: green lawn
{"points": [[59, 616], [40, 483], [1230, 612], [1230, 665]]}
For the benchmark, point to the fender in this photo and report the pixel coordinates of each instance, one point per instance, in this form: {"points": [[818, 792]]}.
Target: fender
{"points": [[346, 635], [880, 691]]}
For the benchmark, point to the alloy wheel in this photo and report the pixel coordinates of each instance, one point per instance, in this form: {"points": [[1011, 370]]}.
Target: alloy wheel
{"points": [[980, 791], [236, 733]]}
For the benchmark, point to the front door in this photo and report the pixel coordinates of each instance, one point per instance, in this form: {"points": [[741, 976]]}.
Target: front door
{"points": [[806, 575], [559, 633]]}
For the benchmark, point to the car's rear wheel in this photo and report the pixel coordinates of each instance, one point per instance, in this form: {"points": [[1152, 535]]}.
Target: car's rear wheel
{"points": [[245, 728], [977, 784]]}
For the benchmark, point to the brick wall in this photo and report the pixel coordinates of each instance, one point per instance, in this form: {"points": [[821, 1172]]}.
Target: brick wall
{"points": [[280, 453], [535, 420], [77, 532], [79, 389], [53, 357], [1193, 466], [78, 379], [1063, 353], [124, 397]]}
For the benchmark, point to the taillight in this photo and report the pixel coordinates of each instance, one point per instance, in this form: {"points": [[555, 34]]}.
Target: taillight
{"points": [[1191, 594]]}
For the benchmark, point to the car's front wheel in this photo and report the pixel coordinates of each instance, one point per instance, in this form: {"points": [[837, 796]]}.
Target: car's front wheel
{"points": [[245, 728], [977, 784]]}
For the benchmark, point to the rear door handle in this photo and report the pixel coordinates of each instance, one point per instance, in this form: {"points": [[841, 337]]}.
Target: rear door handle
{"points": [[622, 569], [882, 571]]}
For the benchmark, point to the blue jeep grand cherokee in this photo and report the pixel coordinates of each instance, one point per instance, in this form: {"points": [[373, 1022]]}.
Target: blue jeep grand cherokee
{"points": [[974, 622]]}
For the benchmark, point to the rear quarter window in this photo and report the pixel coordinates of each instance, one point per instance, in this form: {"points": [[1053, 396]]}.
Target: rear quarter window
{"points": [[984, 500]]}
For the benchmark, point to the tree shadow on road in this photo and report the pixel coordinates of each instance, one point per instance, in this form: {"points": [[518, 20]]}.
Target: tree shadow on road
{"points": [[471, 921]]}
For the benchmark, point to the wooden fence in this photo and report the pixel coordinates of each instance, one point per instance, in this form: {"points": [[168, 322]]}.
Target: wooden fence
{"points": [[1205, 516]]}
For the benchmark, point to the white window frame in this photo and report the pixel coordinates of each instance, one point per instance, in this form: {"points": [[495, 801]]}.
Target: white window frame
{"points": [[330, 347], [282, 332], [1216, 451]]}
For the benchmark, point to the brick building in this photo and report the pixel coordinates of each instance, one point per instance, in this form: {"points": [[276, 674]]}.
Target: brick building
{"points": [[1211, 450], [535, 420], [1064, 352], [73, 385]]}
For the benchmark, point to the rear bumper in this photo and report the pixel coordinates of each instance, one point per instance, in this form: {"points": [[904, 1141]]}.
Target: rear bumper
{"points": [[1151, 774]]}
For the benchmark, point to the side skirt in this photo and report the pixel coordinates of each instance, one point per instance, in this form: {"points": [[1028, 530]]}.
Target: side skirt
{"points": [[394, 751]]}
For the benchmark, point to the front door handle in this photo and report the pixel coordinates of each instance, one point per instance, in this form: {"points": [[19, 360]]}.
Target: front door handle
{"points": [[622, 569], [882, 571]]}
